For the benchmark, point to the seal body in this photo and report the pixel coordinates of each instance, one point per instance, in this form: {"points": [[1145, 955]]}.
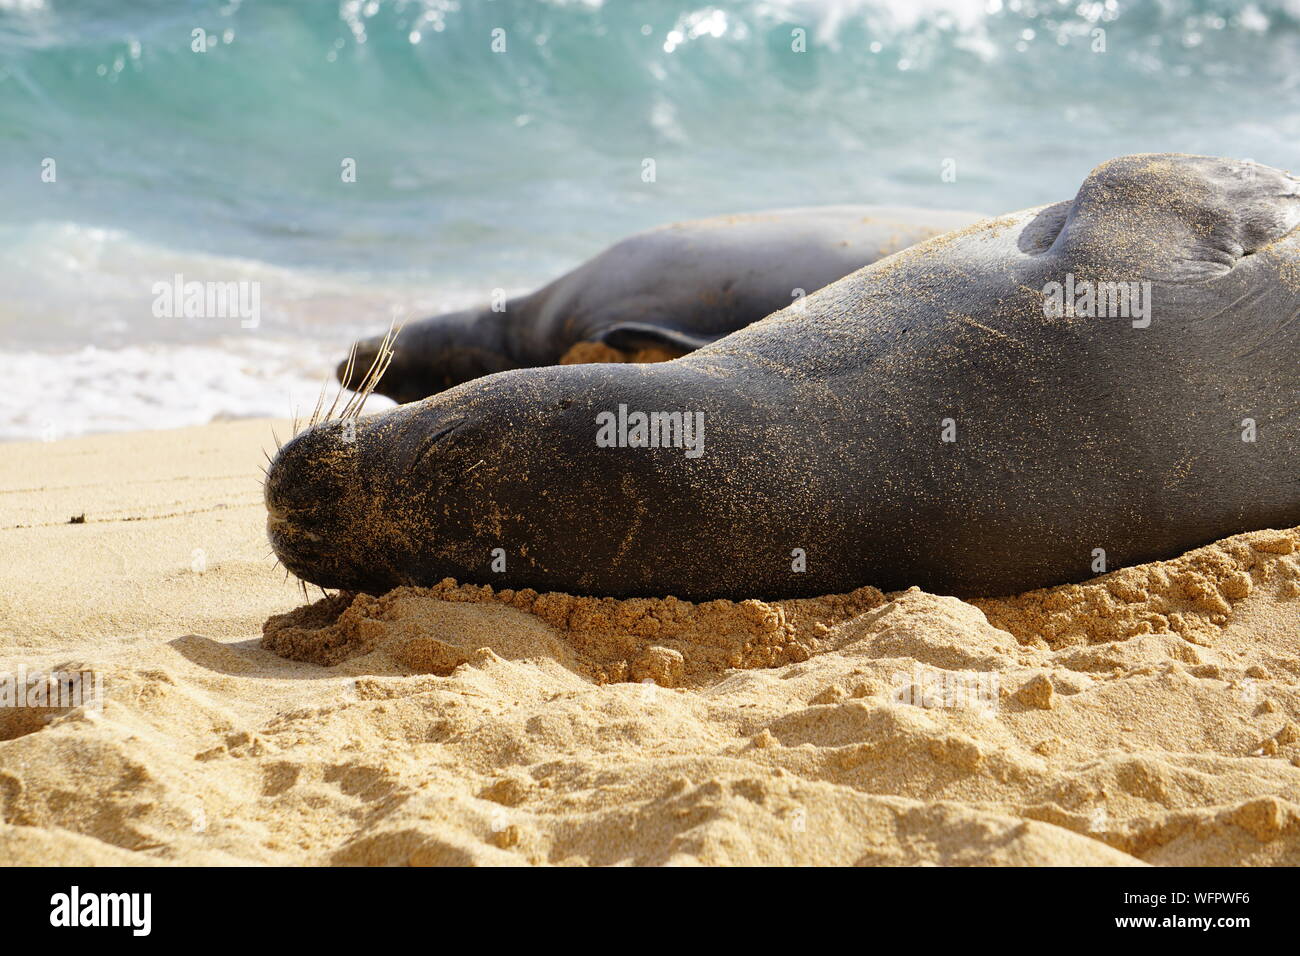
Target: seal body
{"points": [[936, 419], [671, 289]]}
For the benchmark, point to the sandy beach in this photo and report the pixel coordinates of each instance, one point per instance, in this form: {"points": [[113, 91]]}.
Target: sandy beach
{"points": [[1151, 716]]}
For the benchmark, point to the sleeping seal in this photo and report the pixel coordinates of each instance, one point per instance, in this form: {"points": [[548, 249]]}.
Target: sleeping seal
{"points": [[941, 418], [669, 290]]}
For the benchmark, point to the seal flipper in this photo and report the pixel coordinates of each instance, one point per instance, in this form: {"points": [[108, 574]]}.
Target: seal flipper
{"points": [[630, 336]]}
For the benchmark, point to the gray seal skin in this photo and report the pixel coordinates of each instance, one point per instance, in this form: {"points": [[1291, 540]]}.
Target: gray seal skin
{"points": [[677, 287], [823, 427]]}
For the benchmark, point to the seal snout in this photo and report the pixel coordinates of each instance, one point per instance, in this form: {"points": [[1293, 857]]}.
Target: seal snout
{"points": [[310, 490]]}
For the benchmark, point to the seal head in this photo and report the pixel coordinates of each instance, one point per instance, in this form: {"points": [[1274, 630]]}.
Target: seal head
{"points": [[433, 356]]}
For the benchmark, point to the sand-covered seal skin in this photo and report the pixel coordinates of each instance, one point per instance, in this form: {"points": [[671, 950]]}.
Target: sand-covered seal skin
{"points": [[673, 289], [823, 428]]}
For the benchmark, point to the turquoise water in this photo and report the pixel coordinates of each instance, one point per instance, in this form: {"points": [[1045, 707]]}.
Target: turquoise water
{"points": [[479, 169]]}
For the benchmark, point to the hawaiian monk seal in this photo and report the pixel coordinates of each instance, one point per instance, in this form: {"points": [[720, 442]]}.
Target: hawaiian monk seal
{"points": [[825, 464], [671, 289]]}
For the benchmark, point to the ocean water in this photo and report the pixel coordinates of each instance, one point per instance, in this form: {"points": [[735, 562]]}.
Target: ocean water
{"points": [[128, 157]]}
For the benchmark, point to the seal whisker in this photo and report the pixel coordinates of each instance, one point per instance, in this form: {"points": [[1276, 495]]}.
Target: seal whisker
{"points": [[459, 478], [383, 357], [344, 383], [320, 402]]}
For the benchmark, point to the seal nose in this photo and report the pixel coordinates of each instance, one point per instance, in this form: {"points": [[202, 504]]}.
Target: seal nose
{"points": [[281, 523]]}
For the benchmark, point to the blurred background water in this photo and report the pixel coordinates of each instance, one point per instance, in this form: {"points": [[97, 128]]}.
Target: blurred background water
{"points": [[478, 169]]}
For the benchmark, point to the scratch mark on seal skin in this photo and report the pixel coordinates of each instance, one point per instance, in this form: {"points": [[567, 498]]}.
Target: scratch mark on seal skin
{"points": [[634, 527], [1249, 294], [967, 320]]}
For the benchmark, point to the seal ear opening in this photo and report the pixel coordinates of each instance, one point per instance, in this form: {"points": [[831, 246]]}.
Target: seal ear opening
{"points": [[631, 336]]}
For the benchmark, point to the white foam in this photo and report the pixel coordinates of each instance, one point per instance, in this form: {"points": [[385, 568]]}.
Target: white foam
{"points": [[84, 351], [54, 395]]}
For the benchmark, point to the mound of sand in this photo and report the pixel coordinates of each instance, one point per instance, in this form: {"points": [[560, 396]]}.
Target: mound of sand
{"points": [[1150, 716]]}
